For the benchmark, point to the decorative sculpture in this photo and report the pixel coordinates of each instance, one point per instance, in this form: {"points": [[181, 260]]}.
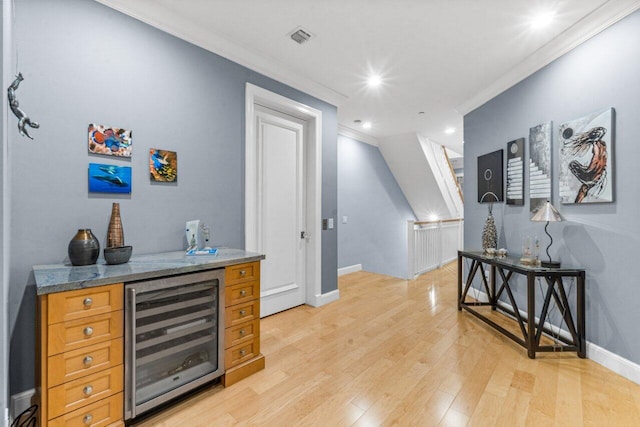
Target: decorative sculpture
{"points": [[23, 119]]}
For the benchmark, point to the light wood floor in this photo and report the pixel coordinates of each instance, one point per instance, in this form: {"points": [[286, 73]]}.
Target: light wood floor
{"points": [[396, 352]]}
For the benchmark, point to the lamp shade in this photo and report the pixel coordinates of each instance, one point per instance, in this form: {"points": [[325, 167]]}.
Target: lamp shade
{"points": [[547, 213]]}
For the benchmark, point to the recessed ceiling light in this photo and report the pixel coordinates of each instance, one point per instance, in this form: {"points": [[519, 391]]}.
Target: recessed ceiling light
{"points": [[433, 217], [366, 125], [449, 131], [374, 80], [542, 20]]}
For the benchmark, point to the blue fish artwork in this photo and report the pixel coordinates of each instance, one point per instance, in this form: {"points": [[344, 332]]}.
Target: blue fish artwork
{"points": [[109, 178]]}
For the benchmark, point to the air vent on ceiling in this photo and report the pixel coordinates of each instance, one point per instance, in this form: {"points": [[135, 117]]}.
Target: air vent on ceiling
{"points": [[300, 35]]}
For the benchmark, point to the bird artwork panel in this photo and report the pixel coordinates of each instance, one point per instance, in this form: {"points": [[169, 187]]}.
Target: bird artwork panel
{"points": [[163, 165], [109, 141], [586, 159], [109, 178]]}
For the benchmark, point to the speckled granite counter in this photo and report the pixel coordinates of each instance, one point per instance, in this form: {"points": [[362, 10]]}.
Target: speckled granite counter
{"points": [[65, 277]]}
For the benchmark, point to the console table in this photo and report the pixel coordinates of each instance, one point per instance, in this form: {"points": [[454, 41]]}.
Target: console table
{"points": [[553, 285]]}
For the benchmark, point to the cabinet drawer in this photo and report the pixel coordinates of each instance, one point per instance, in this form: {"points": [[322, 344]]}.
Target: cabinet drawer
{"points": [[87, 360], [79, 333], [75, 394], [240, 353], [99, 414], [71, 305], [241, 333], [241, 292], [241, 273], [241, 313]]}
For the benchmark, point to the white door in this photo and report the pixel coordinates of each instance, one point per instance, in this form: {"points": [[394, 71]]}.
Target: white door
{"points": [[280, 149]]}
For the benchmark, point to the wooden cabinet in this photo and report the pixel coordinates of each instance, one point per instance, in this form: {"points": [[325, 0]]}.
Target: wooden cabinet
{"points": [[80, 357], [242, 355]]}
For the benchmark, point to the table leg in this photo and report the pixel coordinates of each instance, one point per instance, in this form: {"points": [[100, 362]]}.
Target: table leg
{"points": [[492, 297], [531, 316], [459, 280], [582, 343]]}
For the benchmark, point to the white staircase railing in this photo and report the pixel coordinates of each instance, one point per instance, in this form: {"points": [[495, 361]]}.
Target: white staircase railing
{"points": [[431, 244]]}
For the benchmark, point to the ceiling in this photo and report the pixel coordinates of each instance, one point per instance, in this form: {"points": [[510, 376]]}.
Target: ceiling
{"points": [[438, 59]]}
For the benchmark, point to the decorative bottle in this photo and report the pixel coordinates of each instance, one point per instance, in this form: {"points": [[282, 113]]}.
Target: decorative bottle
{"points": [[489, 232], [115, 235], [84, 248]]}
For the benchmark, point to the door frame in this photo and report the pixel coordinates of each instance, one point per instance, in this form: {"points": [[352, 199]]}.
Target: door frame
{"points": [[313, 181]]}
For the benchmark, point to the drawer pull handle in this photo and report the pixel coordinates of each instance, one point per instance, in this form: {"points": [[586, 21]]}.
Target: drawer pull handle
{"points": [[243, 273], [88, 360], [87, 419], [243, 292], [242, 332], [87, 390], [243, 312], [87, 302], [243, 352], [88, 331]]}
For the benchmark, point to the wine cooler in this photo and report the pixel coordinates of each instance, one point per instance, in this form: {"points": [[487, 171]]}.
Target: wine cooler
{"points": [[174, 341]]}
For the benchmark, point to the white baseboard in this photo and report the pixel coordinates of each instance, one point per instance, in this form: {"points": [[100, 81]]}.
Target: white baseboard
{"points": [[617, 364], [323, 299], [601, 356], [20, 402], [349, 269]]}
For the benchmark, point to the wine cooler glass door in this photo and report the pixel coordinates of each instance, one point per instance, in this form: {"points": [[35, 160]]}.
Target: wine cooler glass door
{"points": [[175, 338]]}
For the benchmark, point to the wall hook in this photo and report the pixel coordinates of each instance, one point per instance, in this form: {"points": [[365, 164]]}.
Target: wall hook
{"points": [[23, 119]]}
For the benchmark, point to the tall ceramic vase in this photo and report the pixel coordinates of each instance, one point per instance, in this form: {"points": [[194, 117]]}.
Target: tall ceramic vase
{"points": [[84, 248], [115, 235], [489, 232]]}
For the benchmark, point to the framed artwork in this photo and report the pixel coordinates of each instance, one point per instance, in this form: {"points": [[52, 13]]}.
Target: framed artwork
{"points": [[109, 141], [539, 165], [163, 165], [586, 159], [490, 187], [109, 178], [515, 172]]}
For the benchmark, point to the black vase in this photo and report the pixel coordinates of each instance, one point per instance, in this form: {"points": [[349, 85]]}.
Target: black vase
{"points": [[84, 248]]}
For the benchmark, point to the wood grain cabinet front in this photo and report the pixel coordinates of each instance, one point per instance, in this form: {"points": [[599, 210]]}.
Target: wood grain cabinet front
{"points": [[81, 357], [242, 322]]}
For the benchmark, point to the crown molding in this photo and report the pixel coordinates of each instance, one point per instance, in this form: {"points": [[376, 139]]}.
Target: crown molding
{"points": [[597, 21], [214, 43], [358, 136]]}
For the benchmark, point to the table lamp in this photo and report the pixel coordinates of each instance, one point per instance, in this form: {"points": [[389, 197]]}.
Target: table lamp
{"points": [[548, 213]]}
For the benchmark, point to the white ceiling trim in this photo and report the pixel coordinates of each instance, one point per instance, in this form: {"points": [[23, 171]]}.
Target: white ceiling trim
{"points": [[597, 21], [358, 136], [270, 67]]}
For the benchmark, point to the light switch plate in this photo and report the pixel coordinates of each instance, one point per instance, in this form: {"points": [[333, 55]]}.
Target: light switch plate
{"points": [[330, 223]]}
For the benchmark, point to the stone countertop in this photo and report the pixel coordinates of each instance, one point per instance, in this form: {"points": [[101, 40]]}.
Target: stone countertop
{"points": [[65, 277]]}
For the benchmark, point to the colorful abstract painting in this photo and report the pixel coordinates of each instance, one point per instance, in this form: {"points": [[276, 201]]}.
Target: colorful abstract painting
{"points": [[109, 141], [109, 178], [163, 165], [586, 159], [539, 165], [490, 187], [515, 172]]}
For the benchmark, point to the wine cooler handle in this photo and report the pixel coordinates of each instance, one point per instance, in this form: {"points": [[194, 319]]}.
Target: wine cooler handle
{"points": [[131, 355]]}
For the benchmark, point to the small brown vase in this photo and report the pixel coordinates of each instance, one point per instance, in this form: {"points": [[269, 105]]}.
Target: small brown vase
{"points": [[115, 235], [84, 248]]}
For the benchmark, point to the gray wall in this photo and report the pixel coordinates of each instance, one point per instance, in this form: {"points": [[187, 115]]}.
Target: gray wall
{"points": [[604, 238], [85, 63], [375, 234]]}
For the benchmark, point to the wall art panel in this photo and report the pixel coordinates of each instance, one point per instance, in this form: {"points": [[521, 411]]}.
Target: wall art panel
{"points": [[539, 165], [586, 159], [515, 172], [490, 187]]}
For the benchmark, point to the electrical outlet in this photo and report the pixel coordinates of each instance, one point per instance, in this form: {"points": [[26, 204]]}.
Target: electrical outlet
{"points": [[330, 223]]}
